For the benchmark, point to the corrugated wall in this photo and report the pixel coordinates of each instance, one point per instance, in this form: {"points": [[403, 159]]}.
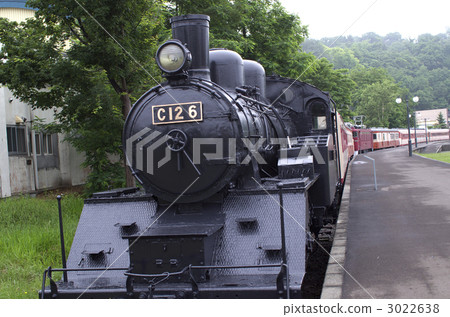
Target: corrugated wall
{"points": [[16, 14]]}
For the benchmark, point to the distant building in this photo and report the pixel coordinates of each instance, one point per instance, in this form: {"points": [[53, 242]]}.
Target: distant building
{"points": [[431, 116], [29, 160]]}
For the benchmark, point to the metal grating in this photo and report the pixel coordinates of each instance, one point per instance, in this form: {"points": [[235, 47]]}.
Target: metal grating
{"points": [[252, 246], [98, 229], [313, 140]]}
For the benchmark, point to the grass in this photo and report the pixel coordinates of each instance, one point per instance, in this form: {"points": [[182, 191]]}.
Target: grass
{"points": [[442, 156], [29, 240]]}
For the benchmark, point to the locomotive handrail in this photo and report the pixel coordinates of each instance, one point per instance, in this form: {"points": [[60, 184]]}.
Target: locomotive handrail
{"points": [[283, 274], [202, 267], [54, 290], [271, 107], [53, 286], [263, 104]]}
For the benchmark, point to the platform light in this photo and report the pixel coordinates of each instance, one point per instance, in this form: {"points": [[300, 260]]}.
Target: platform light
{"points": [[399, 101], [416, 100]]}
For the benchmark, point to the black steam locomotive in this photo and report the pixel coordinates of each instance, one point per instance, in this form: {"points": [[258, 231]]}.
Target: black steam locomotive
{"points": [[238, 172]]}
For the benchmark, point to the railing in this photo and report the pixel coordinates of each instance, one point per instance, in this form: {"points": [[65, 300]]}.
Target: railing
{"points": [[281, 289]]}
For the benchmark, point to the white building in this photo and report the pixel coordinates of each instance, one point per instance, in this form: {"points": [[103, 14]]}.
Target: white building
{"points": [[29, 160], [431, 117]]}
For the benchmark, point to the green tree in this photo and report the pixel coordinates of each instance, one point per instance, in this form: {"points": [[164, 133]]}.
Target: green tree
{"points": [[88, 60], [260, 30], [375, 97], [441, 124], [377, 102], [336, 82], [342, 58]]}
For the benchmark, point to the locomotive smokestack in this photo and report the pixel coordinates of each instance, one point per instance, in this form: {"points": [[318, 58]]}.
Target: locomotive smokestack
{"points": [[193, 30]]}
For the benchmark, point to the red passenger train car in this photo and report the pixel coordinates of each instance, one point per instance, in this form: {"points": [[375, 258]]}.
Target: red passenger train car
{"points": [[380, 138], [385, 138], [362, 139], [432, 135], [438, 134]]}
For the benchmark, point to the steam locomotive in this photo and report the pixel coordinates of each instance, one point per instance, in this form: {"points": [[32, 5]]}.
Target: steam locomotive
{"points": [[238, 171]]}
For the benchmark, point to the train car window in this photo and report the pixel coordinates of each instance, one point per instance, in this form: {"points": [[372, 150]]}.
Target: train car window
{"points": [[355, 134], [318, 112], [374, 136], [320, 123]]}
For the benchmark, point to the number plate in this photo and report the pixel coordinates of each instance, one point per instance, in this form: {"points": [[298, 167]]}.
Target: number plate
{"points": [[177, 113]]}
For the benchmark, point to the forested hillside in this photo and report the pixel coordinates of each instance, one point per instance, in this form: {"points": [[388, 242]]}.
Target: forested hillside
{"points": [[421, 65]]}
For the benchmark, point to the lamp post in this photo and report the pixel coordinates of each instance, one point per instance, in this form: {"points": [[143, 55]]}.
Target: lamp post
{"points": [[416, 100], [415, 131], [399, 101]]}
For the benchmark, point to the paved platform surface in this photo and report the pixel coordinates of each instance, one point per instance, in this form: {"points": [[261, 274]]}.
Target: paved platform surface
{"points": [[393, 242]]}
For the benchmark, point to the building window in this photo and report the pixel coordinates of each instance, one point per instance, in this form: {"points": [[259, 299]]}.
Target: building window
{"points": [[16, 140], [46, 150], [44, 143], [37, 138], [47, 144]]}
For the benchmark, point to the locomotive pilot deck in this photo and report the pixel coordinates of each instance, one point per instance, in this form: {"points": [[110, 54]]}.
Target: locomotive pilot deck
{"points": [[243, 258]]}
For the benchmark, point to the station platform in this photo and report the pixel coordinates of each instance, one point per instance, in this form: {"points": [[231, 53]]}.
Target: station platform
{"points": [[393, 242]]}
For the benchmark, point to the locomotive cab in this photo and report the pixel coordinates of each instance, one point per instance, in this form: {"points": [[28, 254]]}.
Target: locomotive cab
{"points": [[319, 115]]}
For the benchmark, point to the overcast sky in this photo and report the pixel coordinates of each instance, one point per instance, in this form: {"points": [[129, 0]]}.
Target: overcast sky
{"points": [[328, 18]]}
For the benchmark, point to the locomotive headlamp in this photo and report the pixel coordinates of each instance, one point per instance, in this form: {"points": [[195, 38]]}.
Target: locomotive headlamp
{"points": [[173, 57]]}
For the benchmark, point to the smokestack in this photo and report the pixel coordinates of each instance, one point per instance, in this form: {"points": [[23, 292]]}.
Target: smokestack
{"points": [[193, 30]]}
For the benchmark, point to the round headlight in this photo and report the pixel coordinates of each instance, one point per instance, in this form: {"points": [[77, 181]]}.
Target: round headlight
{"points": [[173, 57]]}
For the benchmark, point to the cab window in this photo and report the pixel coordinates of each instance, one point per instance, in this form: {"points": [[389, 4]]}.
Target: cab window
{"points": [[318, 112]]}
